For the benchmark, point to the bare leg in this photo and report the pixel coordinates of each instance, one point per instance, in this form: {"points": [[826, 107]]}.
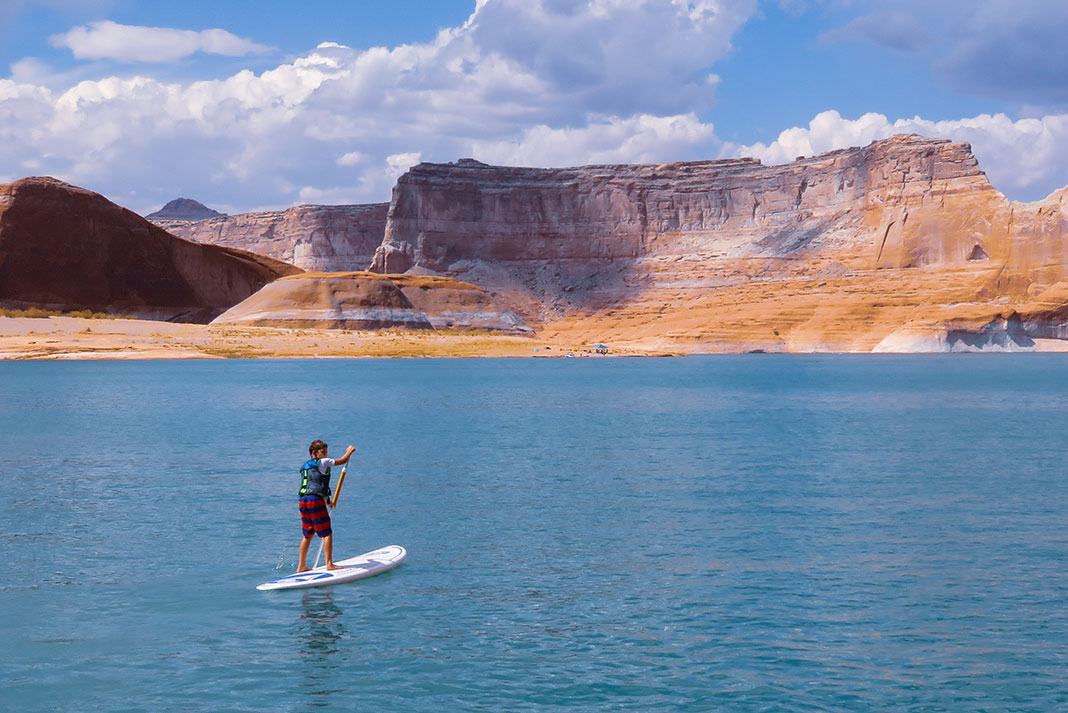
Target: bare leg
{"points": [[328, 550], [301, 561]]}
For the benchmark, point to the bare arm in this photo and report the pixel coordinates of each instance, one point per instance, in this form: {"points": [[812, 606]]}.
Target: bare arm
{"points": [[345, 458]]}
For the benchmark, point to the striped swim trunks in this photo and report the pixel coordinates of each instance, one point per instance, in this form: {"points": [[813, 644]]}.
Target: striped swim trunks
{"points": [[314, 517]]}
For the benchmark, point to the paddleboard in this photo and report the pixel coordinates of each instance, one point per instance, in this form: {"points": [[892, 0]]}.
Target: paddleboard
{"points": [[366, 565]]}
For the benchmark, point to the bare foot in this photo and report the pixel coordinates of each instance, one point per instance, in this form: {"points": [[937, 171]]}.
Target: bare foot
{"points": [[301, 569], [332, 566]]}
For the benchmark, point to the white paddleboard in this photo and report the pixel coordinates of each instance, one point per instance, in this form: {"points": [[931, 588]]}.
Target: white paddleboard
{"points": [[366, 565]]}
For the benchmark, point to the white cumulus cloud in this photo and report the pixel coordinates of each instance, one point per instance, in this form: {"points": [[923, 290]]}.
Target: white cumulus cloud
{"points": [[529, 81], [521, 82], [131, 43], [352, 158], [638, 139], [1026, 158], [398, 163]]}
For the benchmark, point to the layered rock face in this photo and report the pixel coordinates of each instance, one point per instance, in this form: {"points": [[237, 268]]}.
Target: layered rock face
{"points": [[835, 252], [63, 247], [365, 300], [902, 245], [327, 238], [442, 215]]}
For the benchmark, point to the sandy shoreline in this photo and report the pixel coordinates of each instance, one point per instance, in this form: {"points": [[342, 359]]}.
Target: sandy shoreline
{"points": [[72, 338], [78, 338]]}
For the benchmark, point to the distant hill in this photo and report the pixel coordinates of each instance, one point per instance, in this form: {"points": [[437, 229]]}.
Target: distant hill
{"points": [[184, 209]]}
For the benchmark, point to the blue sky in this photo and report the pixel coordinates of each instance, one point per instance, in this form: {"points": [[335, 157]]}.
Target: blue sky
{"points": [[258, 105]]}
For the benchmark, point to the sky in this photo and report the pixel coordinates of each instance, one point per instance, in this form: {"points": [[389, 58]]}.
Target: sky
{"points": [[251, 105]]}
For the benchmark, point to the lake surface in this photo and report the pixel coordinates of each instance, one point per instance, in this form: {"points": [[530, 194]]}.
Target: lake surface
{"points": [[737, 533]]}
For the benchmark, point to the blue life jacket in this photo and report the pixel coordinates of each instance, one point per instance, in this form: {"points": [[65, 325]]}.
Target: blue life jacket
{"points": [[313, 481]]}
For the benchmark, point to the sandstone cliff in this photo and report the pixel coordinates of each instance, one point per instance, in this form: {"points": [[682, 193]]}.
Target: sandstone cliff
{"points": [[63, 247], [365, 300], [329, 238], [835, 252]]}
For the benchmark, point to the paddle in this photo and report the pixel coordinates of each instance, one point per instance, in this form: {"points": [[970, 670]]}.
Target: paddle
{"points": [[333, 504]]}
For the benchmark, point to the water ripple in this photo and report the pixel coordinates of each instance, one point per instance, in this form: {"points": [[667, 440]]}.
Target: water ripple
{"points": [[736, 534]]}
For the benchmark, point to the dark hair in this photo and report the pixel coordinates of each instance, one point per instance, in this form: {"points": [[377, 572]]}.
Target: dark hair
{"points": [[316, 446]]}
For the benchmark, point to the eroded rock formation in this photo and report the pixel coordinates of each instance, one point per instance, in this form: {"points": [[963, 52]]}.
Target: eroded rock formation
{"points": [[67, 248], [312, 237], [834, 252], [902, 245], [365, 300]]}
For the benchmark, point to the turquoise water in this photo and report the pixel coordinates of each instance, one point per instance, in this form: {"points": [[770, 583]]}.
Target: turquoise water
{"points": [[752, 533]]}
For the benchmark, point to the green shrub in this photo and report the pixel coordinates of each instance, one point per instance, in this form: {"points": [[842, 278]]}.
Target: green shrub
{"points": [[40, 313]]}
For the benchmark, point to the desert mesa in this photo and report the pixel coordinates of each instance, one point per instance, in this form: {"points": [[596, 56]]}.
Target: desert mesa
{"points": [[899, 246]]}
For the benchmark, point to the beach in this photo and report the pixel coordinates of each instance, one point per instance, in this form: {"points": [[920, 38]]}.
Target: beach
{"points": [[80, 338]]}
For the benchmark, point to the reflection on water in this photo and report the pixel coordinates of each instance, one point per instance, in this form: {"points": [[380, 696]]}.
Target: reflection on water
{"points": [[320, 631]]}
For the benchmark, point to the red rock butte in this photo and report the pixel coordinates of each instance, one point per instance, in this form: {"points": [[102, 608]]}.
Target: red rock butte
{"points": [[67, 248]]}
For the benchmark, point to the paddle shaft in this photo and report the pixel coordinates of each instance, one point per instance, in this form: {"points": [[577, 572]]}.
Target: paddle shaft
{"points": [[333, 504], [340, 482]]}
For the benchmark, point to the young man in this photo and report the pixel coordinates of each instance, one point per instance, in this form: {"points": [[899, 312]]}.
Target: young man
{"points": [[314, 493]]}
